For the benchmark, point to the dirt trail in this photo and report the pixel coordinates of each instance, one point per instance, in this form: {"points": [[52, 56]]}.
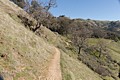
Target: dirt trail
{"points": [[54, 71]]}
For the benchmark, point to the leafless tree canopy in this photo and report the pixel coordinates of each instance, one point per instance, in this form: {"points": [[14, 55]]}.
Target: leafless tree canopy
{"points": [[50, 4], [80, 37]]}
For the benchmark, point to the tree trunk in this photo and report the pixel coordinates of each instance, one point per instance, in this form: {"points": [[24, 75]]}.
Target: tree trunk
{"points": [[79, 50], [100, 52]]}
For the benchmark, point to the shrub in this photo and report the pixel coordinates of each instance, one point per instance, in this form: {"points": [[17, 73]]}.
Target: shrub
{"points": [[103, 71]]}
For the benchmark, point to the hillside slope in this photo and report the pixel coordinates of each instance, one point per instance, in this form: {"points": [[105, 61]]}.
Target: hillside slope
{"points": [[27, 56], [72, 69], [23, 55]]}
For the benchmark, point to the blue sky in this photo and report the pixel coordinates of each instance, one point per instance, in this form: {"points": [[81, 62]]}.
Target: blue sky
{"points": [[92, 9]]}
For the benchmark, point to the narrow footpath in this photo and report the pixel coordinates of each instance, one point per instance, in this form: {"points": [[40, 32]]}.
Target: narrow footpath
{"points": [[54, 70]]}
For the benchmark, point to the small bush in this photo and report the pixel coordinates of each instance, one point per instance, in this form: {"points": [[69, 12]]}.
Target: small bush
{"points": [[103, 71]]}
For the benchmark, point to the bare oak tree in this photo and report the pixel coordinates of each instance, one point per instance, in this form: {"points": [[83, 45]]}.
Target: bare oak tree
{"points": [[50, 4], [101, 47], [80, 37]]}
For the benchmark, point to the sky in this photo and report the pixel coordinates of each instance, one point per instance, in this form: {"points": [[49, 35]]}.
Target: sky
{"points": [[88, 9]]}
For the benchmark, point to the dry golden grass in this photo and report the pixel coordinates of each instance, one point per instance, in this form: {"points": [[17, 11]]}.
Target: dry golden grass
{"points": [[26, 55], [73, 69]]}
